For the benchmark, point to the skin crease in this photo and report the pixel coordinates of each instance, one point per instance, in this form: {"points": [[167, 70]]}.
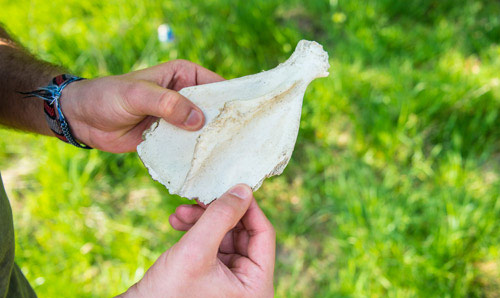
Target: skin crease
{"points": [[229, 249], [132, 102]]}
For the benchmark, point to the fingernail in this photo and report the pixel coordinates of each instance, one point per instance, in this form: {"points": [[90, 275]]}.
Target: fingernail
{"points": [[241, 191], [193, 119]]}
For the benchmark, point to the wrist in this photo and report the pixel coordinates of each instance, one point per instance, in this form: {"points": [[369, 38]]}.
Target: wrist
{"points": [[51, 95], [70, 101]]}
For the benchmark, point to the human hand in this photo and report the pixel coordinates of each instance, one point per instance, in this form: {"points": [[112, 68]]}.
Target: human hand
{"points": [[228, 251], [111, 113]]}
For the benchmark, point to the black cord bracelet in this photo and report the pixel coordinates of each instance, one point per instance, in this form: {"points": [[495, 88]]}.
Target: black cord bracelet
{"points": [[52, 107]]}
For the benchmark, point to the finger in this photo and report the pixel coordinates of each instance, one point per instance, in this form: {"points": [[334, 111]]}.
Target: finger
{"points": [[241, 240], [145, 98], [189, 214], [177, 224], [205, 76], [230, 241], [136, 135], [262, 238], [202, 205], [219, 218], [227, 243], [187, 73], [229, 259], [178, 74]]}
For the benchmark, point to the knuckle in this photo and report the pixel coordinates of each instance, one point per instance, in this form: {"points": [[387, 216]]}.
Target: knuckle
{"points": [[183, 67], [183, 77], [177, 63], [268, 225], [181, 61], [169, 102], [268, 228]]}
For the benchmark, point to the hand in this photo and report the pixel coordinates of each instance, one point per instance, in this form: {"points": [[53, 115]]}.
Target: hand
{"points": [[228, 251], [111, 113]]}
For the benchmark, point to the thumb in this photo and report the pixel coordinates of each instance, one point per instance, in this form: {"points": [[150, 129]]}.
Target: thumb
{"points": [[221, 216], [146, 98]]}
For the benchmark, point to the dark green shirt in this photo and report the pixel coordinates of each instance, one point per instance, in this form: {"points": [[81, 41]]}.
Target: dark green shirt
{"points": [[12, 281]]}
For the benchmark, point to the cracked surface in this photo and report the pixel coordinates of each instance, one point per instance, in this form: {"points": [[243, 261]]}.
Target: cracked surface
{"points": [[251, 128]]}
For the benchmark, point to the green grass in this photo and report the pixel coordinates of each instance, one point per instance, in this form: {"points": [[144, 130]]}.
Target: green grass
{"points": [[393, 188]]}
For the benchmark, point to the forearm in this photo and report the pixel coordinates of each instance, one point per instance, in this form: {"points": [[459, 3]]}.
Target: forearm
{"points": [[21, 72]]}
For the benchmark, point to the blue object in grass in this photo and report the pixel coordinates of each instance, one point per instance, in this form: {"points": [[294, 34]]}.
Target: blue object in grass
{"points": [[165, 33]]}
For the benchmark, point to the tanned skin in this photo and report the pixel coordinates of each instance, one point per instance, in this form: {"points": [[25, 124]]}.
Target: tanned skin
{"points": [[20, 72], [229, 247], [108, 113]]}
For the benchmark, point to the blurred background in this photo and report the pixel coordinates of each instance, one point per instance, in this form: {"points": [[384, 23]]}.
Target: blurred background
{"points": [[393, 188]]}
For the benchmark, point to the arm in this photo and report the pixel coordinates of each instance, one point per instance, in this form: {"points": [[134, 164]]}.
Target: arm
{"points": [[108, 113], [20, 71], [230, 247]]}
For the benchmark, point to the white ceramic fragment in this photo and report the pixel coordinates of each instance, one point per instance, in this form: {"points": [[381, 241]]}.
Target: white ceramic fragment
{"points": [[249, 134]]}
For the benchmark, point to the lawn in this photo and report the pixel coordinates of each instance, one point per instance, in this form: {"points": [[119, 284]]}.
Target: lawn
{"points": [[394, 185]]}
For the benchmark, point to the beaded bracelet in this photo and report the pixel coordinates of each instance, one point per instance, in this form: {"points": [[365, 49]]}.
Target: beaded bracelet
{"points": [[51, 95]]}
